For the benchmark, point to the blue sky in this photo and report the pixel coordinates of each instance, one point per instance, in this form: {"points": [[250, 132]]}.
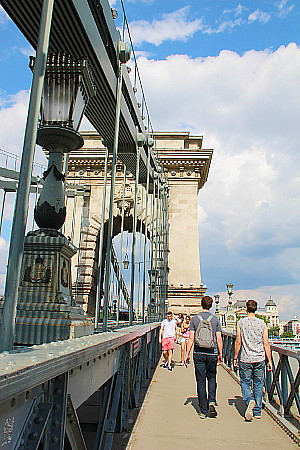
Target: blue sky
{"points": [[229, 71]]}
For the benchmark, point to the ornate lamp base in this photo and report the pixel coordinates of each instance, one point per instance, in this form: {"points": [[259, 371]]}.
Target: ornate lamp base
{"points": [[45, 310]]}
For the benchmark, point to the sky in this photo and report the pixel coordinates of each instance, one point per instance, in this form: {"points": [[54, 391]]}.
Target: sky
{"points": [[229, 71]]}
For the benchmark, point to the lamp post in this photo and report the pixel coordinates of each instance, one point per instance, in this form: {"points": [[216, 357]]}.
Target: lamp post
{"points": [[230, 293], [153, 273], [230, 314], [217, 301], [45, 286]]}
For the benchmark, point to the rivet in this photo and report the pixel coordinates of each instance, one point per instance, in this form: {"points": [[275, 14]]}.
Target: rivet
{"points": [[33, 436], [54, 440], [56, 407], [57, 391], [55, 423], [38, 419]]}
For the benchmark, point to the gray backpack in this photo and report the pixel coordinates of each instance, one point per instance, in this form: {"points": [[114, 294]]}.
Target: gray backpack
{"points": [[204, 334]]}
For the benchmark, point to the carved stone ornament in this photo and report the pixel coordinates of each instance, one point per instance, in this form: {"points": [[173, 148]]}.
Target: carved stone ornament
{"points": [[46, 216], [64, 274], [58, 175], [37, 273], [127, 191]]}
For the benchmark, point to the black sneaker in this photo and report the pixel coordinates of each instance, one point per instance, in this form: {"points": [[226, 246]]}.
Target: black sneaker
{"points": [[212, 410]]}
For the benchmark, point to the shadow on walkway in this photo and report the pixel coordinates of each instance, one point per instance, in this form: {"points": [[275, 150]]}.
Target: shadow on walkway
{"points": [[239, 404]]}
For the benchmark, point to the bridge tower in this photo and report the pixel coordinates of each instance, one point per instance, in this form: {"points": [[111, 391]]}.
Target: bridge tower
{"points": [[186, 166]]}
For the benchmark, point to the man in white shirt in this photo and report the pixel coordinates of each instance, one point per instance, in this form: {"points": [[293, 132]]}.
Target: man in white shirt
{"points": [[252, 349], [167, 338]]}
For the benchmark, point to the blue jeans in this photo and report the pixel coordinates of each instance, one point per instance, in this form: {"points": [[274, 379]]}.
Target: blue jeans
{"points": [[252, 377], [206, 369]]}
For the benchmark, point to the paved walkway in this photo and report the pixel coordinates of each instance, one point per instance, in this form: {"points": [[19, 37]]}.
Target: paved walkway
{"points": [[168, 418]]}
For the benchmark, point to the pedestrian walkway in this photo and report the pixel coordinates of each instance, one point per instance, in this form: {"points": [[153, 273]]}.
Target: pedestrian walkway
{"points": [[168, 418]]}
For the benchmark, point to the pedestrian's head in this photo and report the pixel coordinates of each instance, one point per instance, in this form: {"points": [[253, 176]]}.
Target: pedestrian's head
{"points": [[206, 302], [251, 306], [180, 315], [169, 315], [187, 318]]}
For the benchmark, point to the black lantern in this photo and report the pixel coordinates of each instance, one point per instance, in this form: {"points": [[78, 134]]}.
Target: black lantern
{"points": [[68, 85], [126, 262], [67, 88]]}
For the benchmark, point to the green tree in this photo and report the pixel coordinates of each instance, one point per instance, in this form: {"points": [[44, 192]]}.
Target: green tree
{"points": [[264, 318], [287, 334], [274, 331]]}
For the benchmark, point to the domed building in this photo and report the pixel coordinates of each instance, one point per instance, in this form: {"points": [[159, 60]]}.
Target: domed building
{"points": [[271, 311]]}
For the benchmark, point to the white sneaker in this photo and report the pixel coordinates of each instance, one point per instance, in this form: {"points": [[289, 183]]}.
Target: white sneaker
{"points": [[249, 411]]}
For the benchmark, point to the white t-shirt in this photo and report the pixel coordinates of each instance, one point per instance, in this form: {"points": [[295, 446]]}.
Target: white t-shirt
{"points": [[252, 330], [168, 327]]}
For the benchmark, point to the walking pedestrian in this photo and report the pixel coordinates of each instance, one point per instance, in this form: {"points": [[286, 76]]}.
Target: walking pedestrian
{"points": [[205, 334], [184, 337], [167, 338], [253, 348], [180, 319]]}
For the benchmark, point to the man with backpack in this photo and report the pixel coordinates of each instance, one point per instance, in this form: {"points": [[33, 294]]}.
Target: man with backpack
{"points": [[205, 334]]}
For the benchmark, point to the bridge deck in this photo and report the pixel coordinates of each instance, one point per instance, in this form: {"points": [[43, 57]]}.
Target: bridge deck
{"points": [[168, 418]]}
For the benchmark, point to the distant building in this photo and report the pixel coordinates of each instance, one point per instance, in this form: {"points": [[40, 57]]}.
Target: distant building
{"points": [[293, 325], [238, 310], [282, 324]]}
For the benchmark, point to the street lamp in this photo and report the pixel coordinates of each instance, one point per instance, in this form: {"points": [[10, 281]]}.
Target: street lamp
{"points": [[67, 89], [230, 292], [126, 262], [47, 253], [217, 301]]}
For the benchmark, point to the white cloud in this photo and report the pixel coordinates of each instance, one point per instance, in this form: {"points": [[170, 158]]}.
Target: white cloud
{"points": [[283, 8], [247, 108], [224, 26], [13, 114], [172, 27], [259, 16], [27, 51], [239, 10]]}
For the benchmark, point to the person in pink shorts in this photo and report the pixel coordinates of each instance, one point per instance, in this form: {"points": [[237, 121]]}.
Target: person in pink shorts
{"points": [[167, 338]]}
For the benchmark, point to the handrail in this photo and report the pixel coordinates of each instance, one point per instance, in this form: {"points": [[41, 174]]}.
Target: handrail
{"points": [[49, 384]]}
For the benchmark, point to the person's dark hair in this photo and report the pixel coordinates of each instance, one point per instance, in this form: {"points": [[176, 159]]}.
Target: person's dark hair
{"points": [[169, 313], [206, 302], [251, 306]]}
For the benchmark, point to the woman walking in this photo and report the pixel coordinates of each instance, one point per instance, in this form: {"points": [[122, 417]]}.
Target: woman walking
{"points": [[184, 337]]}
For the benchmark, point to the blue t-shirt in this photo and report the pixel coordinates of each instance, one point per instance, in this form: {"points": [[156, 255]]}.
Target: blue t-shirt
{"points": [[216, 326]]}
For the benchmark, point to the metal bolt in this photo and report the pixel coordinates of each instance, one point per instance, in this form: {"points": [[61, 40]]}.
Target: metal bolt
{"points": [[56, 407], [57, 391], [55, 423], [38, 419], [33, 436], [54, 440]]}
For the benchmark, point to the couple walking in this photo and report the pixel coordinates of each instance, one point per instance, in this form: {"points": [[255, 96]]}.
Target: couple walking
{"points": [[251, 349]]}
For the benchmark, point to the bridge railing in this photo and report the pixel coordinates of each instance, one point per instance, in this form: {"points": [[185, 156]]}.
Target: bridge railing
{"points": [[74, 392], [281, 384]]}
